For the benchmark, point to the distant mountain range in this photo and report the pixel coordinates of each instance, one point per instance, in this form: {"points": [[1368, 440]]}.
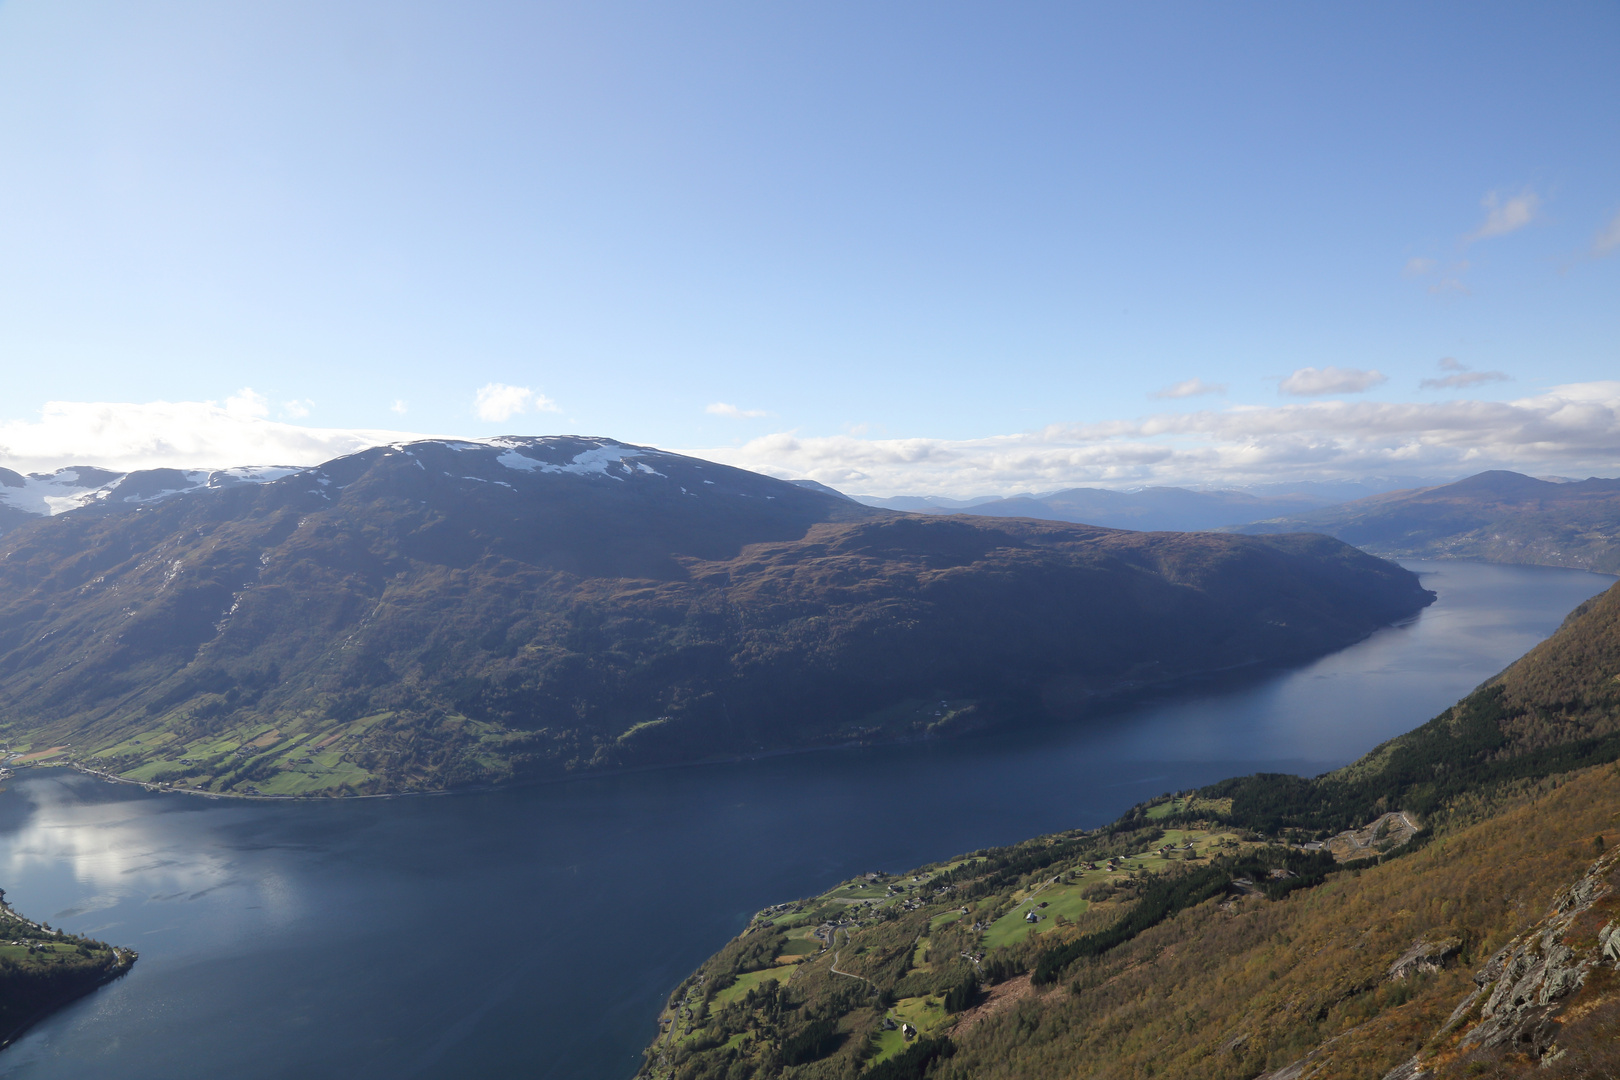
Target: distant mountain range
{"points": [[1494, 516], [1150, 509], [439, 613], [1172, 509]]}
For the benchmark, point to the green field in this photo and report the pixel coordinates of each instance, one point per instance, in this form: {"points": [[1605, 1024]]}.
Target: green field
{"points": [[749, 981], [1165, 809], [292, 758], [1011, 928], [926, 1018], [888, 1044], [926, 1014]]}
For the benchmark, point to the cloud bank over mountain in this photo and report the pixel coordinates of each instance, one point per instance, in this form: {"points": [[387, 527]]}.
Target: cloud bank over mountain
{"points": [[1568, 429], [1572, 429], [173, 434]]}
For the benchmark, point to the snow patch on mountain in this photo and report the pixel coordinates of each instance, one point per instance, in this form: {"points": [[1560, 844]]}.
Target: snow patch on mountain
{"points": [[604, 459], [49, 494], [514, 460], [75, 487]]}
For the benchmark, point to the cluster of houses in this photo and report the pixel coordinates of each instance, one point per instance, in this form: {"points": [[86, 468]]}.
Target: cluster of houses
{"points": [[1111, 864], [779, 909]]}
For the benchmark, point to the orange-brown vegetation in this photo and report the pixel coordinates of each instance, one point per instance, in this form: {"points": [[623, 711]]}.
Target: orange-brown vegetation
{"points": [[1489, 944]]}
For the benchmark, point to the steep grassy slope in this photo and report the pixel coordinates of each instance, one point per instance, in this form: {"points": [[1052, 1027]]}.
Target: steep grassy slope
{"points": [[447, 613], [1494, 516], [1489, 944]]}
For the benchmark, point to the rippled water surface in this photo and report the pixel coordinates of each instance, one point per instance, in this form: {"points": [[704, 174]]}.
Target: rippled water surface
{"points": [[535, 932]]}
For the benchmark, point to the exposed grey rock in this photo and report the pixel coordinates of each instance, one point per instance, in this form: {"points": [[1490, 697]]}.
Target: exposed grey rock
{"points": [[1426, 954], [1410, 1069], [1383, 833], [1609, 942], [1464, 1007], [1527, 981]]}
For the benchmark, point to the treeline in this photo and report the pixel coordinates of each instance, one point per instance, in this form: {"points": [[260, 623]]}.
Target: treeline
{"points": [[1461, 751], [913, 1062], [1166, 894], [993, 869]]}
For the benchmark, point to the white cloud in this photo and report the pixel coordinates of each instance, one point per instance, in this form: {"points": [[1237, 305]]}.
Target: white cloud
{"points": [[247, 402], [1417, 266], [399, 407], [1315, 382], [1190, 388], [296, 410], [1607, 241], [496, 402], [1572, 429], [1506, 216], [173, 434], [1462, 376], [720, 408]]}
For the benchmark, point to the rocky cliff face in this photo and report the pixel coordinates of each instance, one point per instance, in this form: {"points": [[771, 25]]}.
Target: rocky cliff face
{"points": [[1536, 991]]}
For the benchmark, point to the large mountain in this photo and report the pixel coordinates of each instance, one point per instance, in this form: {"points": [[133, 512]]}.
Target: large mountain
{"points": [[1495, 516], [440, 613], [1447, 907]]}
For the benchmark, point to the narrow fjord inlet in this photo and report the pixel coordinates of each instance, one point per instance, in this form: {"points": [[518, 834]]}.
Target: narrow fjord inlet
{"points": [[538, 930]]}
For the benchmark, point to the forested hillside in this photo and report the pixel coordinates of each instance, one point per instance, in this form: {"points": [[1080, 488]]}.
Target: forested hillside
{"points": [[446, 613], [1447, 906]]}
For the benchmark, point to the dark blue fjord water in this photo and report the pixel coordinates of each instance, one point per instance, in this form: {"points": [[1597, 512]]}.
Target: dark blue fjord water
{"points": [[535, 932]]}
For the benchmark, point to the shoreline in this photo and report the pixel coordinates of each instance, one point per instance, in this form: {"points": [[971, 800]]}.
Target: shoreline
{"points": [[122, 968], [1101, 704], [123, 963]]}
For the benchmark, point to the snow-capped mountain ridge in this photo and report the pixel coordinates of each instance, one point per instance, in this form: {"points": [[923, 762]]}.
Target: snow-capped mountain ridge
{"points": [[69, 488], [33, 495]]}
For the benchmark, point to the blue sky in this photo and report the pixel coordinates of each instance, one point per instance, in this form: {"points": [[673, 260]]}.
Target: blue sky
{"points": [[939, 248]]}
